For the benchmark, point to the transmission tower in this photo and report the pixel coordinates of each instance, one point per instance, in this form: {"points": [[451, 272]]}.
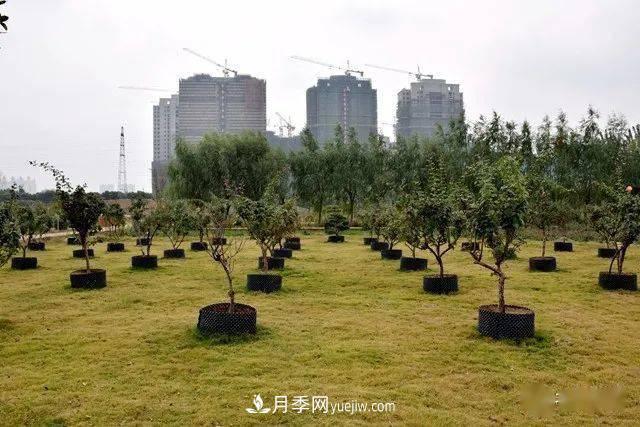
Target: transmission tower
{"points": [[122, 167]]}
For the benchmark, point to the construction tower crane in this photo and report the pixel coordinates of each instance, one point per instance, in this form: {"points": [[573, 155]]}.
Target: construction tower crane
{"points": [[347, 71], [418, 75], [286, 124], [225, 69]]}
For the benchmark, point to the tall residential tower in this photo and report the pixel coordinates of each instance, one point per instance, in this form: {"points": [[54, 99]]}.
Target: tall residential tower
{"points": [[426, 104], [345, 100]]}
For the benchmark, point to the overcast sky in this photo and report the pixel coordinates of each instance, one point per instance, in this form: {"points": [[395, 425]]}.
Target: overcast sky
{"points": [[62, 61]]}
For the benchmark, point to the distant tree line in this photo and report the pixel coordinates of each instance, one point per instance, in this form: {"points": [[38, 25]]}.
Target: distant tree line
{"points": [[48, 196], [343, 171]]}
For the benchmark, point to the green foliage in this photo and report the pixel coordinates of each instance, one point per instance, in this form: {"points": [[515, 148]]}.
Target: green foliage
{"points": [[32, 220], [9, 235], [176, 220], [434, 220], [392, 225], [617, 221], [147, 221], [242, 162], [335, 223], [496, 213], [114, 219], [546, 205]]}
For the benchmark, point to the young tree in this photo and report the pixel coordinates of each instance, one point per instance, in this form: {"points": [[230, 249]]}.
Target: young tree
{"points": [[619, 219], [9, 235], [220, 220], [201, 218], [438, 221], [335, 223], [311, 173], [32, 220], [175, 219], [114, 222], [496, 216], [544, 206], [81, 209], [146, 223], [392, 226], [262, 220]]}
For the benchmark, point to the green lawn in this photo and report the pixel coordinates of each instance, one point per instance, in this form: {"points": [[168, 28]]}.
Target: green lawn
{"points": [[346, 325]]}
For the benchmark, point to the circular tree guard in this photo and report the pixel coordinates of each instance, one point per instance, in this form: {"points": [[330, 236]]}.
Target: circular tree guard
{"points": [[368, 240], [144, 261], [563, 246], [335, 239], [142, 242], [515, 323], [542, 263], [413, 264], [436, 284], [216, 319], [174, 253], [264, 282], [391, 254], [294, 246], [273, 263], [92, 279], [115, 247], [612, 281], [199, 246], [27, 263], [379, 246], [282, 253], [73, 241]]}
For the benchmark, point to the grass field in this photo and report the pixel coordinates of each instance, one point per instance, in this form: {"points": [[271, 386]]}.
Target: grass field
{"points": [[346, 325]]}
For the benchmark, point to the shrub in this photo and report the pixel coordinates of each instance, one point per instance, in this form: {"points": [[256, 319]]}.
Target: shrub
{"points": [[392, 225], [335, 223], [175, 219], [146, 222], [32, 220], [114, 221]]}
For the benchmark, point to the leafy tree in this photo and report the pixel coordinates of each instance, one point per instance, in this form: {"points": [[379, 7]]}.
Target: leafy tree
{"points": [[618, 221], [221, 161], [220, 220], [9, 235], [81, 209], [146, 222], [378, 169], [335, 223], [545, 206], [311, 173], [496, 215], [114, 221], [349, 166], [175, 219], [32, 221], [392, 228], [263, 219], [437, 221], [201, 217]]}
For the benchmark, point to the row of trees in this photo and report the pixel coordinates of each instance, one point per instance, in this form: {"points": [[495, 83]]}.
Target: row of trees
{"points": [[352, 174]]}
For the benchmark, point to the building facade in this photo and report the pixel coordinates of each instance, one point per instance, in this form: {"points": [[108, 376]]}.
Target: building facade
{"points": [[209, 104], [345, 100], [205, 104], [427, 104]]}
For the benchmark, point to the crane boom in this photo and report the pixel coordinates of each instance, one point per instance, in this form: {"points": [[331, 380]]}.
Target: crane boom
{"points": [[225, 69], [348, 70], [287, 124], [418, 75]]}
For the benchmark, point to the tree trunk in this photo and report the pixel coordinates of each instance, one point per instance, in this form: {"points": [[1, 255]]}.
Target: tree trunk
{"points": [[544, 242], [265, 261], [501, 280], [83, 240], [440, 264]]}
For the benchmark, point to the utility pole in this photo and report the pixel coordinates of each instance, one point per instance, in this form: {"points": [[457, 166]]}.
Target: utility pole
{"points": [[122, 167]]}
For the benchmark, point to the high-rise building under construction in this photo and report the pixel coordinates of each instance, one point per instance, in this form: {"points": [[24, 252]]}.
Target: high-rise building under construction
{"points": [[427, 104], [205, 104], [345, 100]]}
